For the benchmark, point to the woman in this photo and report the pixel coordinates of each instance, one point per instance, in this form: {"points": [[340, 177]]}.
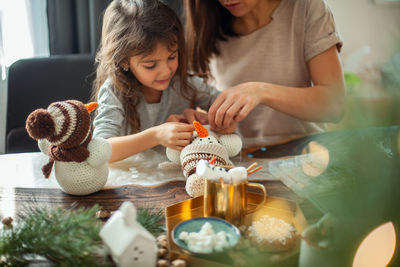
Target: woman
{"points": [[276, 61]]}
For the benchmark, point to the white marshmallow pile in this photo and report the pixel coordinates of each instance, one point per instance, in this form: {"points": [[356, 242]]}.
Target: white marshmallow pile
{"points": [[205, 241]]}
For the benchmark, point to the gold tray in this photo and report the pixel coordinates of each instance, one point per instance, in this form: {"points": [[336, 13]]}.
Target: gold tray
{"points": [[280, 208]]}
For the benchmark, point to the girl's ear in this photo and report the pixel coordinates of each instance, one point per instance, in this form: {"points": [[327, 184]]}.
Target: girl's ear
{"points": [[124, 65]]}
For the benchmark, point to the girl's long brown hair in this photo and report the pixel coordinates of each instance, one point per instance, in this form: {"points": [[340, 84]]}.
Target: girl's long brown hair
{"points": [[207, 21], [130, 28]]}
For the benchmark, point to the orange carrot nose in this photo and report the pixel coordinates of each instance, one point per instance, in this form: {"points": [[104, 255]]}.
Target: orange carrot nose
{"points": [[91, 106], [212, 160], [201, 131]]}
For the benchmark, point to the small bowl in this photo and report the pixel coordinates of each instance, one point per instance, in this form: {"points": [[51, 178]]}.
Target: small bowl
{"points": [[195, 224]]}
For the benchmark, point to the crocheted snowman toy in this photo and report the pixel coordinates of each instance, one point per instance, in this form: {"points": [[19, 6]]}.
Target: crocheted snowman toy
{"points": [[204, 145], [63, 133]]}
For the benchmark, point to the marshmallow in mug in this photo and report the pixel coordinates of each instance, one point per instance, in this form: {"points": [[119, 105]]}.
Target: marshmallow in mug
{"points": [[210, 172]]}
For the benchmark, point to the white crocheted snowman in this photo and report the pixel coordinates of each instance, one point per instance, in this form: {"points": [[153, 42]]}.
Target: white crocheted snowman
{"points": [[204, 145], [63, 134]]}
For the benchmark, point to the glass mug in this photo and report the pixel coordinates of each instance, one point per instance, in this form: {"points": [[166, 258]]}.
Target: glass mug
{"points": [[228, 201]]}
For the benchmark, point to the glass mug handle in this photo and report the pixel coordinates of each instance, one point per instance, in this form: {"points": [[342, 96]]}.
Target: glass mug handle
{"points": [[262, 187]]}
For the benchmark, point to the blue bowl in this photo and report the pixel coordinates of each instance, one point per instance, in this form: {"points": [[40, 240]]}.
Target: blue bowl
{"points": [[195, 224]]}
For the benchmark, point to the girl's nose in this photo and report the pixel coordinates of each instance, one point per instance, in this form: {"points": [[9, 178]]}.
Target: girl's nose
{"points": [[166, 69]]}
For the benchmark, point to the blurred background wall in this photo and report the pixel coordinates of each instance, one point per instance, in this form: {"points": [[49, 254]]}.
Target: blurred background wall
{"points": [[371, 33]]}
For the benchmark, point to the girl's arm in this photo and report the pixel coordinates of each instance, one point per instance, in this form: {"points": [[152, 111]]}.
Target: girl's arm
{"points": [[174, 135], [323, 102]]}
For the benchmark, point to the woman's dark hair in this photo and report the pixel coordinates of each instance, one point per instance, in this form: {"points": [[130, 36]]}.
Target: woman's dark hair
{"points": [[207, 21], [135, 27]]}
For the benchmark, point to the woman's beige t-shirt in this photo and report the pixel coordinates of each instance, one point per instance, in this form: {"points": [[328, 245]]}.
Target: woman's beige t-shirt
{"points": [[277, 53]]}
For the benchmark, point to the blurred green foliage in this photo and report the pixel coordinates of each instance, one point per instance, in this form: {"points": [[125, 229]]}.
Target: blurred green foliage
{"points": [[351, 80]]}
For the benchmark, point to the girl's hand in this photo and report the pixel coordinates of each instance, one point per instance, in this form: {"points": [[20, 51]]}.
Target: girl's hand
{"points": [[233, 105], [189, 115], [175, 135]]}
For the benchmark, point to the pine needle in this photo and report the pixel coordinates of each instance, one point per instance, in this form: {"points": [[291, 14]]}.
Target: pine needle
{"points": [[152, 220]]}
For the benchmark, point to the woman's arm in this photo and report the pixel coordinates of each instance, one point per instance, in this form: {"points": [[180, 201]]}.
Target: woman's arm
{"points": [[174, 135], [323, 102]]}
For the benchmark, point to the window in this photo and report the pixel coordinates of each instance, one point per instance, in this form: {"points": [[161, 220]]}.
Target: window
{"points": [[24, 33]]}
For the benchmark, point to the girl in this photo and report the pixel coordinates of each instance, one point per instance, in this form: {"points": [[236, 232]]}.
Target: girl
{"points": [[142, 79]]}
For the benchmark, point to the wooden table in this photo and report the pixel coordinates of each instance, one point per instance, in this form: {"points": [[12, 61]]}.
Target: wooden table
{"points": [[157, 196], [15, 198]]}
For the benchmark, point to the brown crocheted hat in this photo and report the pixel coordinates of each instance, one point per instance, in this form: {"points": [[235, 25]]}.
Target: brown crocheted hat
{"points": [[191, 154], [64, 124]]}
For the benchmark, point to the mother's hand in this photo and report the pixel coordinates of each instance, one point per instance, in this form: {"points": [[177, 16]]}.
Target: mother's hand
{"points": [[233, 105]]}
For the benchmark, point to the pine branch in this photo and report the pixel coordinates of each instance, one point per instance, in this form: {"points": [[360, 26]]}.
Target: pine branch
{"points": [[64, 237]]}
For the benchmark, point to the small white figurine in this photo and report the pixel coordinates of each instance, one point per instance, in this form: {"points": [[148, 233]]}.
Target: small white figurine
{"points": [[128, 242], [63, 134], [211, 172]]}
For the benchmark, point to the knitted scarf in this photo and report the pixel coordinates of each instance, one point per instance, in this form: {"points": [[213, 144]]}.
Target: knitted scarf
{"points": [[76, 154]]}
